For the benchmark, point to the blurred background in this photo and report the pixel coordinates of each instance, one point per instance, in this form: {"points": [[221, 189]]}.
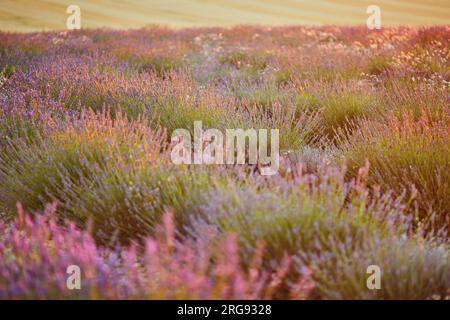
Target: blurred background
{"points": [[36, 15]]}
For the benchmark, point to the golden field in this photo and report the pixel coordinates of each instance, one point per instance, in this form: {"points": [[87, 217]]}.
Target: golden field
{"points": [[25, 16]]}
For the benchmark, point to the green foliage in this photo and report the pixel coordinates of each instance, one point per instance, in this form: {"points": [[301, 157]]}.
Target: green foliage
{"points": [[8, 71], [340, 111], [158, 65], [378, 65]]}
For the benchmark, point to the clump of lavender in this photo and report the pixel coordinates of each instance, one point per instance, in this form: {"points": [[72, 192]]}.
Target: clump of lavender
{"points": [[337, 228], [37, 252]]}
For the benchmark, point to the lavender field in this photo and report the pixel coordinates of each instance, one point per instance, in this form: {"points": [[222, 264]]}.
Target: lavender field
{"points": [[87, 179]]}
